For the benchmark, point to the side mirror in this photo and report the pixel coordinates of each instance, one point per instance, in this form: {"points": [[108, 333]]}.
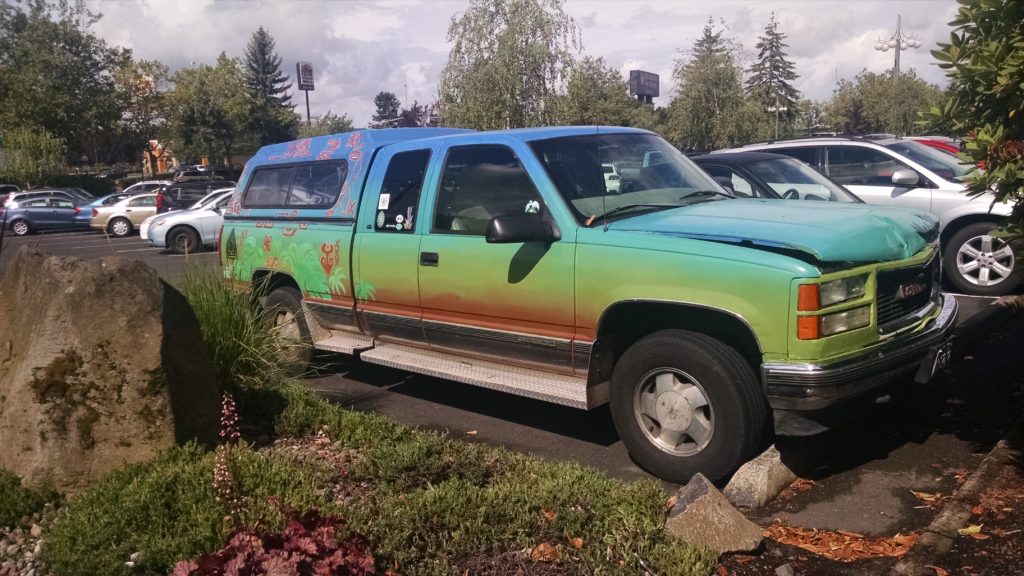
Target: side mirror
{"points": [[905, 178], [513, 228]]}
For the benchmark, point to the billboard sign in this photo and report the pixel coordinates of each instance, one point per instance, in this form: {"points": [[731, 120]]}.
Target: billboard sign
{"points": [[304, 72], [644, 84]]}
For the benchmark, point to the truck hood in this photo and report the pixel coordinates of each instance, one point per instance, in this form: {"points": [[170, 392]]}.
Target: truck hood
{"points": [[828, 231]]}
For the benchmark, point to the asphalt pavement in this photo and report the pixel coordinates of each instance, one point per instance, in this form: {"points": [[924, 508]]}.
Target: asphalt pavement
{"points": [[923, 440]]}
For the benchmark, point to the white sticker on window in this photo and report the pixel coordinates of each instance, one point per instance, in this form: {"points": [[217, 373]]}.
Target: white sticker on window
{"points": [[399, 218], [532, 207], [384, 202]]}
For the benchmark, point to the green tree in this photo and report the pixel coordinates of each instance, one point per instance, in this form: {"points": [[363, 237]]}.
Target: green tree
{"points": [[508, 60], [810, 117], [984, 61], [596, 95], [272, 117], [387, 110], [55, 74], [874, 103], [210, 111], [29, 155], [771, 77], [709, 110], [325, 125]]}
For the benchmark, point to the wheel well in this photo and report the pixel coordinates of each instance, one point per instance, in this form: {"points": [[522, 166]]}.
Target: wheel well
{"points": [[266, 281], [962, 222], [177, 227], [625, 323]]}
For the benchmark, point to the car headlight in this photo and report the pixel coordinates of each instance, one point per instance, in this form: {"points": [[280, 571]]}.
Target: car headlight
{"points": [[845, 321], [835, 291]]}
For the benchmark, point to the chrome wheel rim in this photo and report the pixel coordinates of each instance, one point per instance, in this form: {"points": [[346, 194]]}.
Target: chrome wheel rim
{"points": [[674, 412], [119, 228], [20, 228], [985, 260], [287, 333]]}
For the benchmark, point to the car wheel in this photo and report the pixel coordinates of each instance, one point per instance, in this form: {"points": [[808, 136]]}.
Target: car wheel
{"points": [[284, 318], [980, 264], [120, 227], [184, 240], [20, 228], [684, 403]]}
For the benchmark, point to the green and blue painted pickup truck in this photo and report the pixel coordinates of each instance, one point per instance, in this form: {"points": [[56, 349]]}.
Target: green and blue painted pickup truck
{"points": [[505, 260]]}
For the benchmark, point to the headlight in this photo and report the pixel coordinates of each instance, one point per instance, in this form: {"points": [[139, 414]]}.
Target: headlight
{"points": [[841, 290], [845, 321]]}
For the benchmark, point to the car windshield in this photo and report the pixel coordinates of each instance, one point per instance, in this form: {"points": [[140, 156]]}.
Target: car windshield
{"points": [[944, 165], [652, 175], [794, 180]]}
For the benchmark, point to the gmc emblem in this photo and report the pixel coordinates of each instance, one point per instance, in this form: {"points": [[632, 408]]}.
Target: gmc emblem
{"points": [[910, 290]]}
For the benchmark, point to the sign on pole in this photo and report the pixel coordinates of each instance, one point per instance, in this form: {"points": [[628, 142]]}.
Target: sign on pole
{"points": [[304, 71], [644, 85]]}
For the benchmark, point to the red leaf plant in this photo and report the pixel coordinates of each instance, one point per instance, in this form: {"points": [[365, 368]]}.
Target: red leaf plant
{"points": [[310, 544]]}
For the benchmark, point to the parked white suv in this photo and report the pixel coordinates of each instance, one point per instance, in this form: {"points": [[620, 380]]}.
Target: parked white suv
{"points": [[902, 172]]}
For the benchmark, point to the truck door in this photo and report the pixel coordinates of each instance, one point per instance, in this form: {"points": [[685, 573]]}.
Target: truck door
{"points": [[513, 301], [387, 246]]}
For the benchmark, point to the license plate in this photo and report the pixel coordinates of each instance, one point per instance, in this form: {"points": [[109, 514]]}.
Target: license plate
{"points": [[937, 358]]}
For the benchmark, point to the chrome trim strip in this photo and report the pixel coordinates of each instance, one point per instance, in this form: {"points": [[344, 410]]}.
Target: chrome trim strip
{"points": [[331, 315], [540, 350], [499, 335]]}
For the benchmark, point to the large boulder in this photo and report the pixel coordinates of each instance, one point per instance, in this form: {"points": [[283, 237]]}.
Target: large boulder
{"points": [[101, 364]]}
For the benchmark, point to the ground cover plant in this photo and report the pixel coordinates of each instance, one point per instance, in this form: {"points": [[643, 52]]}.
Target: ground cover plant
{"points": [[17, 500], [423, 503]]}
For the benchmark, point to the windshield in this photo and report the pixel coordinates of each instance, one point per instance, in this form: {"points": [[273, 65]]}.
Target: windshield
{"points": [[205, 200], [794, 180], [944, 165], [652, 174]]}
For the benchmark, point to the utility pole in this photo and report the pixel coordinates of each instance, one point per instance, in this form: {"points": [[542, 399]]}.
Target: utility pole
{"points": [[777, 109]]}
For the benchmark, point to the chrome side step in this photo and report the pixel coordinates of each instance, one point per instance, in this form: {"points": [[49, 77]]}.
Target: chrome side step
{"points": [[334, 340], [547, 386]]}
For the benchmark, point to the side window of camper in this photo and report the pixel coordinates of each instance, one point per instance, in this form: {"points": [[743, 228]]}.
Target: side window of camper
{"points": [[269, 187], [317, 184], [399, 197]]}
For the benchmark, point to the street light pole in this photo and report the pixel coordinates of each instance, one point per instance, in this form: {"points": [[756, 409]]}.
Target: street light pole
{"points": [[777, 109], [898, 42]]}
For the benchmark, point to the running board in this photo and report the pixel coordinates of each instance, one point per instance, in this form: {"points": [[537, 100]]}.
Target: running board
{"points": [[537, 384], [344, 342]]}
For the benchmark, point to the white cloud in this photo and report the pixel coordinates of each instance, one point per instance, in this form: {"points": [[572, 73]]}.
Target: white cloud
{"points": [[359, 48]]}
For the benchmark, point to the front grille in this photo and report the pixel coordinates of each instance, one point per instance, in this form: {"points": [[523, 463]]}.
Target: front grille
{"points": [[903, 291]]}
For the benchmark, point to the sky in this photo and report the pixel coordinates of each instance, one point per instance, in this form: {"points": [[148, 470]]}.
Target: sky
{"points": [[361, 47]]}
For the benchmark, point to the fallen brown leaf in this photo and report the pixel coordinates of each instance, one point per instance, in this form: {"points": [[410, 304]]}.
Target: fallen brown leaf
{"points": [[671, 502], [722, 570], [549, 514], [980, 536], [972, 529], [576, 542], [938, 571], [978, 510], [926, 497], [842, 546], [545, 552]]}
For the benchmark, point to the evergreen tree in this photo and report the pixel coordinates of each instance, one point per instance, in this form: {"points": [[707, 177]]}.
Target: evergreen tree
{"points": [[771, 76], [710, 44], [387, 110], [272, 115]]}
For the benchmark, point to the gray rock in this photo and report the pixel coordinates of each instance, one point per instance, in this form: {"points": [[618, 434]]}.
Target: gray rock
{"points": [[36, 531], [759, 481], [784, 570], [107, 368], [702, 516], [135, 557]]}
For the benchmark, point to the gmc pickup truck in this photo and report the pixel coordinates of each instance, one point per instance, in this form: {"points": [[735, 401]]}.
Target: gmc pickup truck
{"points": [[503, 260]]}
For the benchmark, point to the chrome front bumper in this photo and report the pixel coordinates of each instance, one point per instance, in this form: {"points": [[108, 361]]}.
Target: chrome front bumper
{"points": [[809, 387]]}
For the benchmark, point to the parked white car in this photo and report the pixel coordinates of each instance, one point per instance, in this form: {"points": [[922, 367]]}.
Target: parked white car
{"points": [[188, 231], [903, 172], [146, 186]]}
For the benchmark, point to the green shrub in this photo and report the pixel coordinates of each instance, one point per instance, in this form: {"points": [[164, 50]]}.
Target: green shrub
{"points": [[166, 509], [17, 500]]}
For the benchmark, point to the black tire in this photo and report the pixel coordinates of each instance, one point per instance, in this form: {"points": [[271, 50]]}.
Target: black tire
{"points": [[736, 410], [282, 313], [20, 227], [184, 239], [971, 281], [120, 227]]}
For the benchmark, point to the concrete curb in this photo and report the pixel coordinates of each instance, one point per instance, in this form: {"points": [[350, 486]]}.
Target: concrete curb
{"points": [[939, 536]]}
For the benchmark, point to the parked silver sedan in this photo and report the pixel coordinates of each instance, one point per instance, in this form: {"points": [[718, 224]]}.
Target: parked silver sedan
{"points": [[188, 231]]}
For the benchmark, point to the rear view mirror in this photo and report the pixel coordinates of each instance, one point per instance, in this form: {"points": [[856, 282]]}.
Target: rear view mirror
{"points": [[905, 178], [513, 228]]}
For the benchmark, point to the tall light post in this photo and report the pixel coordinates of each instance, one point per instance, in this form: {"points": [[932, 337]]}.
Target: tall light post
{"points": [[898, 42], [777, 109]]}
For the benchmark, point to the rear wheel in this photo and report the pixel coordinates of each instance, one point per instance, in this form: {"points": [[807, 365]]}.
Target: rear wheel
{"points": [[283, 316], [20, 228], [184, 240], [980, 264], [684, 403], [120, 227]]}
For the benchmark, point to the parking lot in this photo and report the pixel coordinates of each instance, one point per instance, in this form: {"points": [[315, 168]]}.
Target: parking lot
{"points": [[864, 471]]}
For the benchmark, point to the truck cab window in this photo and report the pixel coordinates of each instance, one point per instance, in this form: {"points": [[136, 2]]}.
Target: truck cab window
{"points": [[399, 198], [479, 183]]}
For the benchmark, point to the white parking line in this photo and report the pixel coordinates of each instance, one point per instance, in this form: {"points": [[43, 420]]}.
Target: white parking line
{"points": [[95, 246], [92, 241], [194, 254], [139, 250]]}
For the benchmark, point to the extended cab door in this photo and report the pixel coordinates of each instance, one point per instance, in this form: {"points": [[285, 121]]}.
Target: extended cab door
{"points": [[388, 244], [514, 301]]}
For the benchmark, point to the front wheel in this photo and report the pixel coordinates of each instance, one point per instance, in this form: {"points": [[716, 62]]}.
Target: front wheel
{"points": [[20, 228], [120, 227], [284, 318], [184, 240], [980, 264], [684, 403]]}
